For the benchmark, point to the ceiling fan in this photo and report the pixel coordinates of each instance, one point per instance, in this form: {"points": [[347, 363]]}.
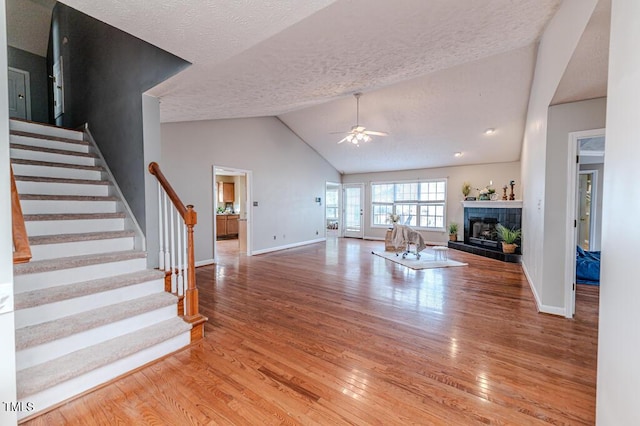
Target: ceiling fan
{"points": [[359, 133]]}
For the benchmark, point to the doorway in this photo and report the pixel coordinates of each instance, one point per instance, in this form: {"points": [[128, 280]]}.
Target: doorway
{"points": [[353, 201], [19, 94], [332, 210], [585, 174], [231, 213]]}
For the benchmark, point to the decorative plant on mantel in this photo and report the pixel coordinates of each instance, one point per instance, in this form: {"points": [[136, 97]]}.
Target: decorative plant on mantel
{"points": [[509, 238], [453, 231]]}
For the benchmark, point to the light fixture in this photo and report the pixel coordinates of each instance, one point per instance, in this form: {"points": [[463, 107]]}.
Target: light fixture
{"points": [[457, 154], [358, 133], [490, 131]]}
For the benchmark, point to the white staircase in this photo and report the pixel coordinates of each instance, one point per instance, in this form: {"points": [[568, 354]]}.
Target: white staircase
{"points": [[87, 307]]}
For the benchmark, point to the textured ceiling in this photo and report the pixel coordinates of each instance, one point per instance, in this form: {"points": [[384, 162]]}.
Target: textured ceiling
{"points": [[435, 74], [28, 23]]}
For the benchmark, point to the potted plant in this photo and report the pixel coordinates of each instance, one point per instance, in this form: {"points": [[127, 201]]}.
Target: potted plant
{"points": [[509, 238], [453, 231]]}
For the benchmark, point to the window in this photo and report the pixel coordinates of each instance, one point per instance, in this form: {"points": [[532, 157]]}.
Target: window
{"points": [[419, 204], [332, 203]]}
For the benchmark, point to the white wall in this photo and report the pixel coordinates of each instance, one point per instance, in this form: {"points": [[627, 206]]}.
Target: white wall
{"points": [[151, 152], [287, 176], [478, 175], [7, 326], [554, 52], [562, 119], [619, 335]]}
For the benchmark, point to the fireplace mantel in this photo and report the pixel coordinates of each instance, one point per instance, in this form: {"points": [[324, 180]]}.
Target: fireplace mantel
{"points": [[498, 204]]}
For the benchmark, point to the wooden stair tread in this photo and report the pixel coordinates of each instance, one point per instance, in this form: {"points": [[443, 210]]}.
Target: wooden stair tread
{"points": [[55, 164], [49, 138], [37, 123], [86, 236], [47, 265], [51, 150], [50, 331], [61, 180], [35, 379]]}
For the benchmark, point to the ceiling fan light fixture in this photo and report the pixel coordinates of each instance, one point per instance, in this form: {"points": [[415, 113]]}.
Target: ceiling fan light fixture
{"points": [[359, 133], [490, 131]]}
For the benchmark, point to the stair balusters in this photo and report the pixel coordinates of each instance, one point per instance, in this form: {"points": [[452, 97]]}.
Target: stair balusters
{"points": [[176, 253]]}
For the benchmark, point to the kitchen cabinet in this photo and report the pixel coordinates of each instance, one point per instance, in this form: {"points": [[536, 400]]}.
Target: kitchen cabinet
{"points": [[227, 225], [226, 192]]}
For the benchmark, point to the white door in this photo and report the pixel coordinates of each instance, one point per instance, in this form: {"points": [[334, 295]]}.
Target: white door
{"points": [[353, 214], [19, 94], [58, 89]]}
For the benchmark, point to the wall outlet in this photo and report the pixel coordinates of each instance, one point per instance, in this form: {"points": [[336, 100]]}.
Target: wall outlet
{"points": [[316, 232], [274, 237], [284, 236]]}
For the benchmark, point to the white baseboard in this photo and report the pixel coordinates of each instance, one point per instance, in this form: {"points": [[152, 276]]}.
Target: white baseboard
{"points": [[205, 262], [288, 246], [546, 309]]}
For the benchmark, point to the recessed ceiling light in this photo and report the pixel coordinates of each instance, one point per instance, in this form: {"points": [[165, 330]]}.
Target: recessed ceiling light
{"points": [[489, 131], [457, 154]]}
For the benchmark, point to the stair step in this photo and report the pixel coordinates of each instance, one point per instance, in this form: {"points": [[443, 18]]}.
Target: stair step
{"points": [[27, 152], [61, 186], [39, 343], [37, 275], [46, 141], [44, 129], [57, 170], [47, 304], [46, 376], [63, 245], [51, 224], [61, 204]]}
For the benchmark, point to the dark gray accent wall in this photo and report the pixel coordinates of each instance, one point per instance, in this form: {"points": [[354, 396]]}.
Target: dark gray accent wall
{"points": [[106, 71], [38, 79]]}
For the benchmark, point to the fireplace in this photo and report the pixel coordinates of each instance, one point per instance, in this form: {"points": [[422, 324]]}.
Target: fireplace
{"points": [[482, 231], [480, 221]]}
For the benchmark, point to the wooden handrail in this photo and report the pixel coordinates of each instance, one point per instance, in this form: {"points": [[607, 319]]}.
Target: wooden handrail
{"points": [[154, 169], [192, 314], [22, 251]]}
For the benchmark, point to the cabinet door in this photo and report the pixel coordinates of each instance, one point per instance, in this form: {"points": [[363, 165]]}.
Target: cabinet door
{"points": [[221, 225], [228, 194], [232, 225]]}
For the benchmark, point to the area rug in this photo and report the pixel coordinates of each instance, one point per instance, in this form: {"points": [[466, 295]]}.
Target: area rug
{"points": [[427, 260]]}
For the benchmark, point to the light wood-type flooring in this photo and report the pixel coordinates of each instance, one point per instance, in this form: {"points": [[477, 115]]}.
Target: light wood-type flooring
{"points": [[330, 334]]}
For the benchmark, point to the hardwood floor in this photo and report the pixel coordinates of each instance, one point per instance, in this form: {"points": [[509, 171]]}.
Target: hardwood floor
{"points": [[331, 334]]}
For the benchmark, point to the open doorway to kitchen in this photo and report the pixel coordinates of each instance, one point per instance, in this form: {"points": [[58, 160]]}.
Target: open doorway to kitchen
{"points": [[232, 214]]}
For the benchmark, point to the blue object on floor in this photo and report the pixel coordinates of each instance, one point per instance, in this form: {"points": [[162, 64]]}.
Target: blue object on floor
{"points": [[587, 267]]}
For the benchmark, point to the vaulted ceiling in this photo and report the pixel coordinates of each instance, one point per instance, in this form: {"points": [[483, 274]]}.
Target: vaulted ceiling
{"points": [[434, 75]]}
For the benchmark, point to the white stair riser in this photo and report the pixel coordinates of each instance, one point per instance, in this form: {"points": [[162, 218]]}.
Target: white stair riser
{"points": [[101, 375], [51, 350], [67, 206], [55, 172], [77, 248], [79, 226], [26, 154], [42, 280], [55, 188], [57, 310], [48, 143], [58, 132]]}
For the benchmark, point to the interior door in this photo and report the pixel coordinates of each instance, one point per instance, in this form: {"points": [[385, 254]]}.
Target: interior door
{"points": [[585, 195], [18, 96], [353, 201]]}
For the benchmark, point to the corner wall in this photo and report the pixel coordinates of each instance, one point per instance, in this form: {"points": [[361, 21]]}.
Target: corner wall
{"points": [[478, 175], [618, 335], [562, 119], [554, 52], [7, 323], [287, 176]]}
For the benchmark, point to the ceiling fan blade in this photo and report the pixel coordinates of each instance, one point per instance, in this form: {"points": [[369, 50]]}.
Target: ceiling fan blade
{"points": [[374, 133], [343, 139]]}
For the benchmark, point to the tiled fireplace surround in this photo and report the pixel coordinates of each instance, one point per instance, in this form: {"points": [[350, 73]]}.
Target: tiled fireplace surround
{"points": [[507, 213]]}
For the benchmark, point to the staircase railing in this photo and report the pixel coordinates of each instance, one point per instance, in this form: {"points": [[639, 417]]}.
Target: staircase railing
{"points": [[176, 255], [21, 249]]}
